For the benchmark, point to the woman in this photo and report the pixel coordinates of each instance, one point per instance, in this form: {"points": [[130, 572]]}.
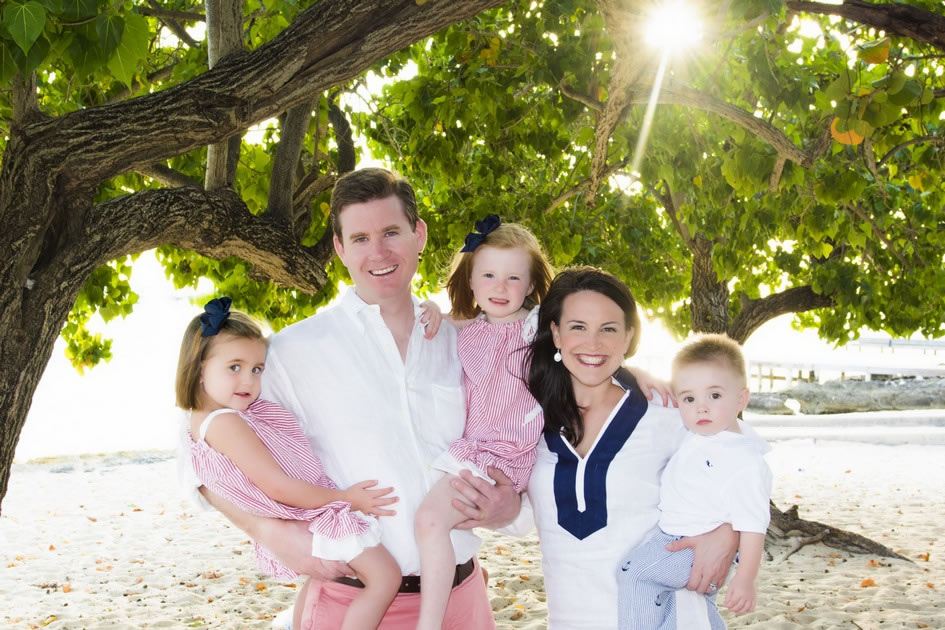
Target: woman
{"points": [[594, 490]]}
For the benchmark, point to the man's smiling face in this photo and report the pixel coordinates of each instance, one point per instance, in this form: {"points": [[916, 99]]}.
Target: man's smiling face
{"points": [[379, 248]]}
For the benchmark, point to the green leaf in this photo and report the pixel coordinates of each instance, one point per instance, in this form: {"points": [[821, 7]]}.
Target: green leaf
{"points": [[24, 22], [53, 6], [79, 9], [32, 59], [7, 63], [132, 48], [86, 56], [911, 90], [109, 29], [839, 88]]}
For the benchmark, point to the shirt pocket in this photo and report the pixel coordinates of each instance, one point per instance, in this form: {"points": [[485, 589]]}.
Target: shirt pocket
{"points": [[449, 415]]}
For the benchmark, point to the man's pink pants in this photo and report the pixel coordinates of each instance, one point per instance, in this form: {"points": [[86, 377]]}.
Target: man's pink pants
{"points": [[468, 608]]}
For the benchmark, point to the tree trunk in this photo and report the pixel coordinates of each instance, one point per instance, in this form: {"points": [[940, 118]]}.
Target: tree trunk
{"points": [[709, 306]]}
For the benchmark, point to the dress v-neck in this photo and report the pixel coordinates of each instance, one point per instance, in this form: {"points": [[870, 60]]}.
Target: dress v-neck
{"points": [[603, 429]]}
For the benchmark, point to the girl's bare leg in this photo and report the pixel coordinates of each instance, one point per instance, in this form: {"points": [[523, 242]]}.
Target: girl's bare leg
{"points": [[301, 612], [434, 520], [381, 576]]}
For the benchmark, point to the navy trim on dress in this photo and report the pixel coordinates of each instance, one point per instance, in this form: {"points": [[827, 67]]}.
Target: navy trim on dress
{"points": [[594, 517]]}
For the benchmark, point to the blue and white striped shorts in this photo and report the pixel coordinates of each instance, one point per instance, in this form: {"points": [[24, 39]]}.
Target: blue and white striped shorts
{"points": [[647, 581]]}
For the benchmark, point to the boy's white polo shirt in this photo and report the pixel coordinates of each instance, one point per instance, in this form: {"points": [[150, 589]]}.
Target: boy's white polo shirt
{"points": [[715, 479], [369, 414]]}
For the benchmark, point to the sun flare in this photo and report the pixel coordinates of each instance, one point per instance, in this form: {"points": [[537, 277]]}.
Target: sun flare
{"points": [[673, 27]]}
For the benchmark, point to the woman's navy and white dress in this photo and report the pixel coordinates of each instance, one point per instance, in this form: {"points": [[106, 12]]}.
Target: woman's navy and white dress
{"points": [[590, 511], [710, 480]]}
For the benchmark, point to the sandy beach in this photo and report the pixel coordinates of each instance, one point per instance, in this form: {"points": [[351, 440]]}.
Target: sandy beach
{"points": [[107, 542]]}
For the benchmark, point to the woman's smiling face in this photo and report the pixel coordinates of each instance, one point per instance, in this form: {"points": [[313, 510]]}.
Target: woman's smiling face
{"points": [[593, 337]]}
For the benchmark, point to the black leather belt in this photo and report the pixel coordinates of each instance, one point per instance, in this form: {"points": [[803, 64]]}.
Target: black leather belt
{"points": [[411, 583]]}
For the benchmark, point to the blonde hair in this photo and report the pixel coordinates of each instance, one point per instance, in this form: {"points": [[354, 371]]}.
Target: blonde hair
{"points": [[506, 236], [194, 349], [712, 348]]}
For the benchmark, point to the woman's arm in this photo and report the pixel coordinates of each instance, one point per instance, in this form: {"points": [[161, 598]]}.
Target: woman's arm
{"points": [[713, 553], [229, 435]]}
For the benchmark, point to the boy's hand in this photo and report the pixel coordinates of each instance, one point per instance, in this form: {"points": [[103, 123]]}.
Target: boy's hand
{"points": [[740, 596], [431, 318], [367, 499]]}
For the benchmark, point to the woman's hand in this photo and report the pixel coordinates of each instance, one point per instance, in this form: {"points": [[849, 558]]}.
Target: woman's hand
{"points": [[740, 596], [367, 499], [431, 319], [713, 553], [483, 504], [648, 383]]}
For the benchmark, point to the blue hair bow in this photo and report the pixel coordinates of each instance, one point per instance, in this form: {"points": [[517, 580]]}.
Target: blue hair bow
{"points": [[483, 229], [214, 314]]}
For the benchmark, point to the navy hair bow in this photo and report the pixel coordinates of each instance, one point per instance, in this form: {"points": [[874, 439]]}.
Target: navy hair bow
{"points": [[483, 229], [214, 314]]}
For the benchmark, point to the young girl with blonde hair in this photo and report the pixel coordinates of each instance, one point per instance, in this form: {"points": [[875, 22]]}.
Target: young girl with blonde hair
{"points": [[252, 453]]}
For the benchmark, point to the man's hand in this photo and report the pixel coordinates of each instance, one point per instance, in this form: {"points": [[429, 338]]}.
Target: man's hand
{"points": [[713, 553], [483, 504]]}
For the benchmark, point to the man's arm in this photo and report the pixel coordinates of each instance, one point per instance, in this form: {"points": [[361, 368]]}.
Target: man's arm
{"points": [[289, 540], [483, 504], [713, 553]]}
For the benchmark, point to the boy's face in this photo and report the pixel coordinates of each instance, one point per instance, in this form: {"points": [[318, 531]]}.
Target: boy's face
{"points": [[710, 396]]}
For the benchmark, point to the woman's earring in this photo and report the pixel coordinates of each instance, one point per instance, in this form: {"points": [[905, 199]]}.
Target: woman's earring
{"points": [[557, 356]]}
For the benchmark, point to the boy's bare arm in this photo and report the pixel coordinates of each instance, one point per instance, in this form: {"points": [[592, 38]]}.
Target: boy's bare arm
{"points": [[740, 597]]}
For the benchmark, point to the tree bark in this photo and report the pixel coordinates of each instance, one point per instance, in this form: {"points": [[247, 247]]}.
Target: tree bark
{"points": [[53, 237], [903, 20], [709, 306]]}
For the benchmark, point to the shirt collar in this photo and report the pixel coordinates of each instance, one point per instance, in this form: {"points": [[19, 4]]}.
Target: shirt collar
{"points": [[352, 304]]}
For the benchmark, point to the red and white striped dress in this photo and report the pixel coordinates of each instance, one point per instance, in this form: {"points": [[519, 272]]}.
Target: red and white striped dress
{"points": [[337, 531], [503, 420]]}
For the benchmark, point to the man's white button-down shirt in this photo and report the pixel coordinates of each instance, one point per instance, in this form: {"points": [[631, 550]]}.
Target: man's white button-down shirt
{"points": [[369, 414]]}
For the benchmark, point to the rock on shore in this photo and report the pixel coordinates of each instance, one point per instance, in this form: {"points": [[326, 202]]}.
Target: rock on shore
{"points": [[853, 395]]}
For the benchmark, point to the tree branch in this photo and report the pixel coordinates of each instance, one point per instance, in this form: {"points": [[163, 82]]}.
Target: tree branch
{"points": [[589, 102], [25, 102], [687, 97], [757, 312], [584, 185], [343, 138], [168, 176], [214, 223], [157, 75], [176, 27], [180, 16], [903, 145], [224, 38], [327, 44], [669, 205], [282, 180], [904, 20]]}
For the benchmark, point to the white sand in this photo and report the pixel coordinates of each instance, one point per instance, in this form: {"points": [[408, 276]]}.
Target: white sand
{"points": [[109, 544]]}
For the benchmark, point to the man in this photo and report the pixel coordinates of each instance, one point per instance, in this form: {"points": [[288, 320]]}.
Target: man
{"points": [[378, 401]]}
